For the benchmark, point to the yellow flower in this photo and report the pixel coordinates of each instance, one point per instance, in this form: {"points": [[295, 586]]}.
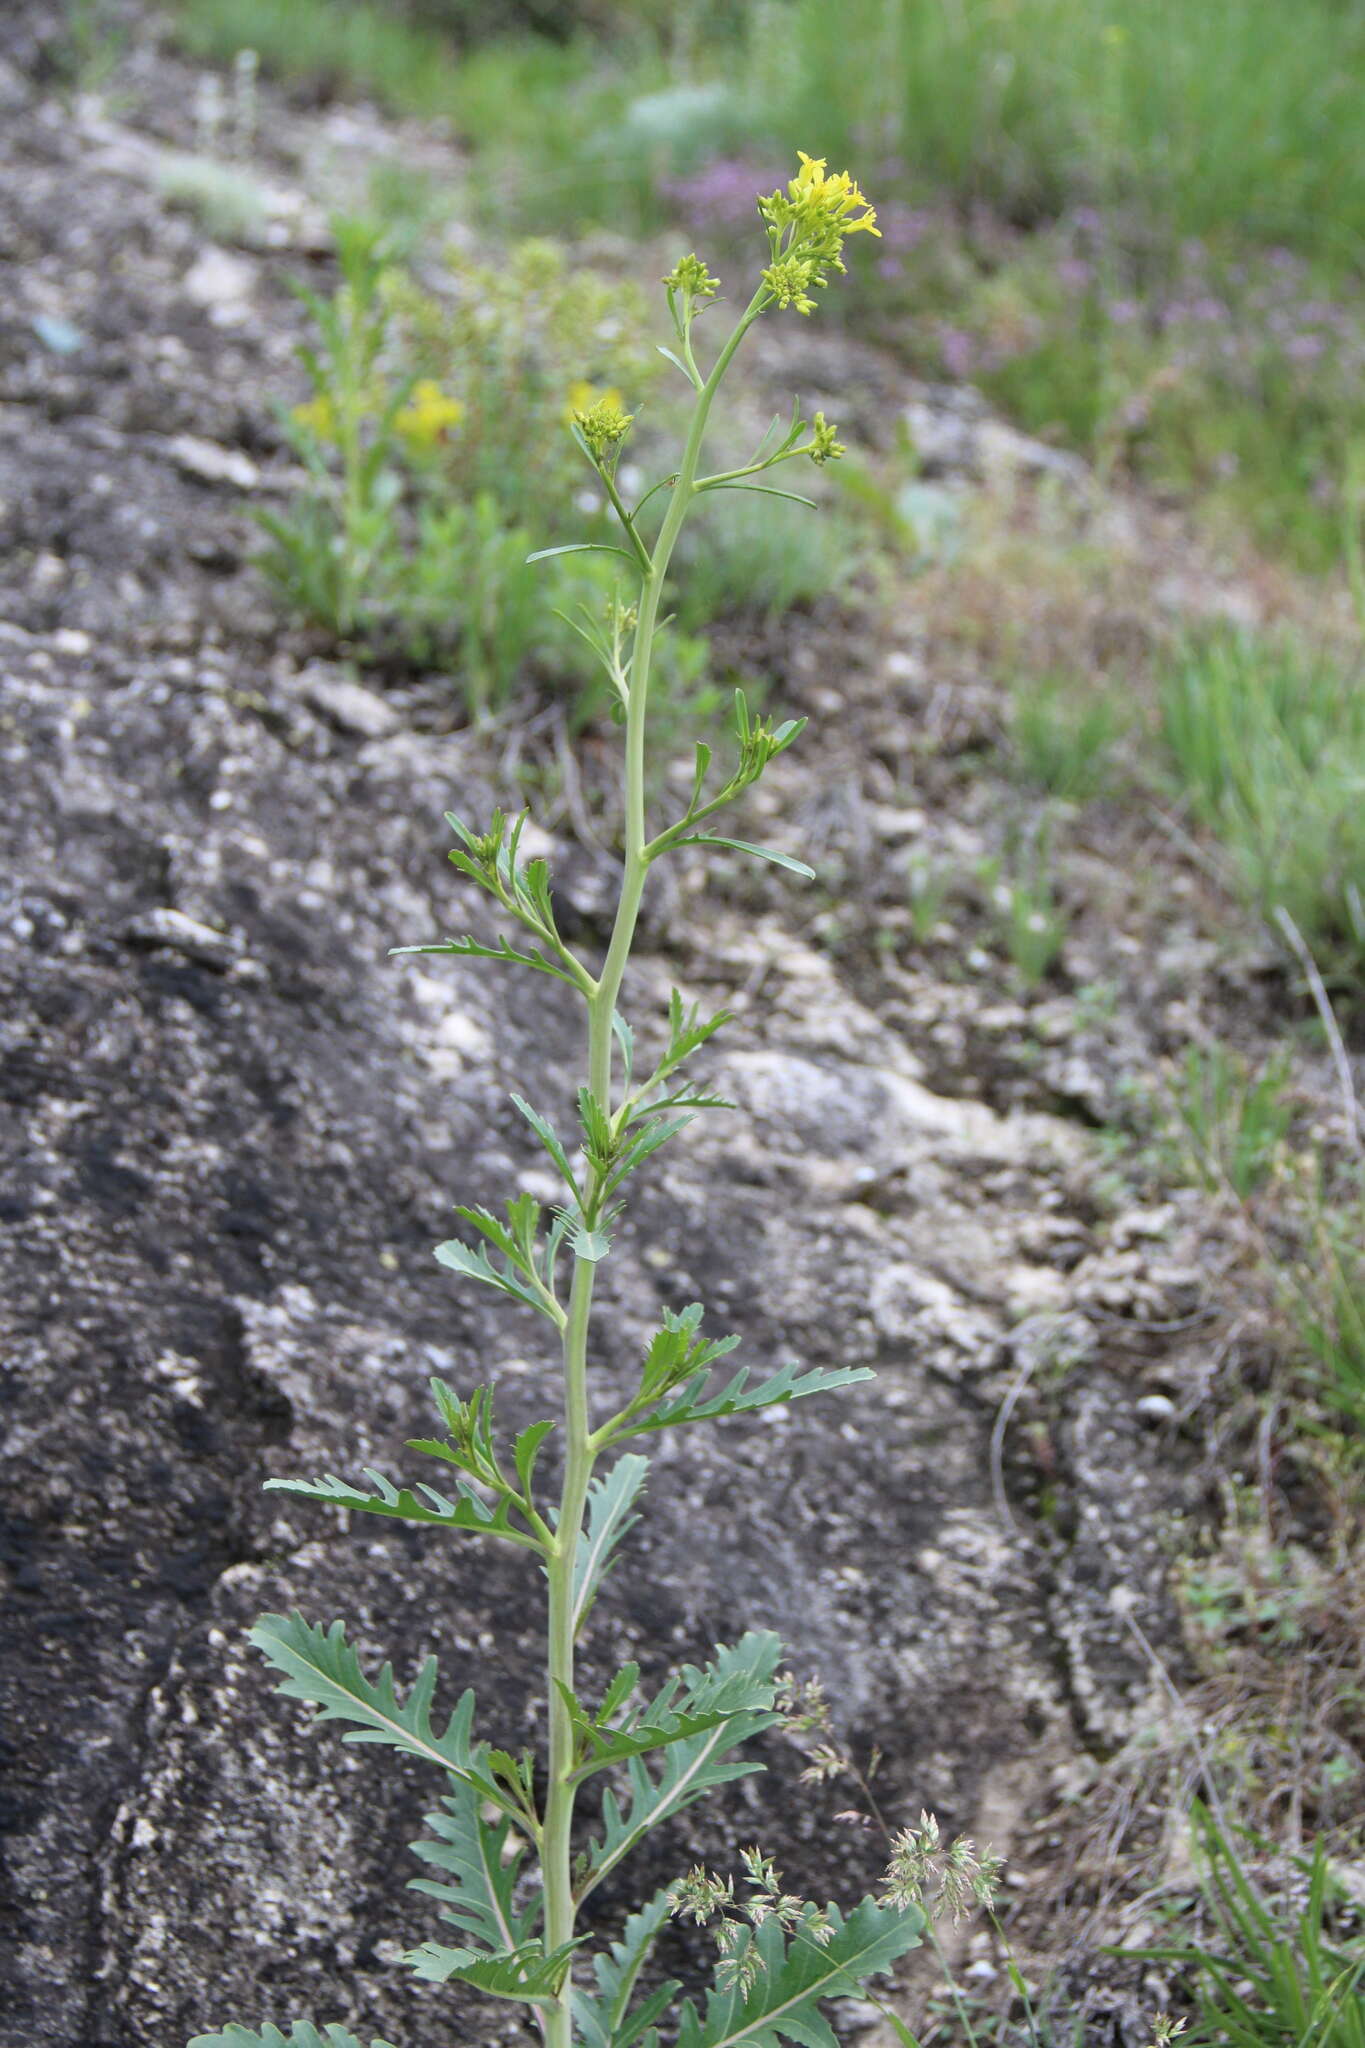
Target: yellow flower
{"points": [[318, 417], [807, 225], [835, 198], [581, 397], [427, 418]]}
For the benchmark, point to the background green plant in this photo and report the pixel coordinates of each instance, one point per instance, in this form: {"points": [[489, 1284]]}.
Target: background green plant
{"points": [[1268, 738], [1270, 1974]]}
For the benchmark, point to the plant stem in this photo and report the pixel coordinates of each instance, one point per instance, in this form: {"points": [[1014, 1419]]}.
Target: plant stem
{"points": [[580, 1452]]}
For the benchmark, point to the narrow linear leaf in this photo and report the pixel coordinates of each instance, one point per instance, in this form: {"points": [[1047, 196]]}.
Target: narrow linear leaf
{"points": [[779, 860], [625, 1038], [677, 362], [766, 491], [583, 547]]}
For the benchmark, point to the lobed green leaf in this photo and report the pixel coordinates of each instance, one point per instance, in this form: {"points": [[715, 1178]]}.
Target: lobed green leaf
{"points": [[783, 2000], [689, 1768], [603, 2018], [467, 1511], [471, 948], [480, 1860], [527, 1974], [611, 1497], [690, 1703], [737, 1398], [302, 2034], [320, 1667]]}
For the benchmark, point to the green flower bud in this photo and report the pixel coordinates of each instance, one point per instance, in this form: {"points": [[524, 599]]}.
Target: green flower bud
{"points": [[690, 276], [604, 426], [824, 447], [790, 280]]}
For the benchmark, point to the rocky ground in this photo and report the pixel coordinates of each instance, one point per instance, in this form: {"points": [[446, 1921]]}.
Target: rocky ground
{"points": [[233, 1128]]}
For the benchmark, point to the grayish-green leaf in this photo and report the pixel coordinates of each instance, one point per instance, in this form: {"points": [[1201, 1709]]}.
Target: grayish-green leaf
{"points": [[549, 1138], [475, 1264], [625, 1038], [438, 1510], [610, 1500], [780, 860], [302, 2034]]}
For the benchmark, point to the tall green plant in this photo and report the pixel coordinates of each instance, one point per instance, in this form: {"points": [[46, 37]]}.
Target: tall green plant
{"points": [[513, 1873]]}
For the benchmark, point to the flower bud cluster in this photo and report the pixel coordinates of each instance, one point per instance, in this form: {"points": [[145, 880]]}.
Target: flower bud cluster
{"points": [[604, 426], [691, 277]]}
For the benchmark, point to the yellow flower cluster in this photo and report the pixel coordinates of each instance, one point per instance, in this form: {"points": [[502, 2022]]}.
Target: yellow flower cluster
{"points": [[318, 417], [422, 423], [807, 226], [428, 417], [600, 418], [582, 397]]}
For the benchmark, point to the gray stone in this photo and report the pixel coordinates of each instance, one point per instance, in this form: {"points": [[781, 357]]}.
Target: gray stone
{"points": [[348, 705]]}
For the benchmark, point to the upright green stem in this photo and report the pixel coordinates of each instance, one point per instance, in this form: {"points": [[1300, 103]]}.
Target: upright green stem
{"points": [[579, 1451]]}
